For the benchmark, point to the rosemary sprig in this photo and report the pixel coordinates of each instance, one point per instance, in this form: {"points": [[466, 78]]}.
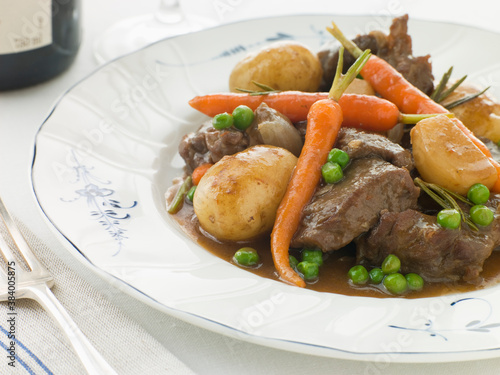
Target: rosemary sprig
{"points": [[465, 99], [265, 89], [436, 197], [441, 85], [454, 204], [439, 94], [446, 199], [452, 88], [455, 195]]}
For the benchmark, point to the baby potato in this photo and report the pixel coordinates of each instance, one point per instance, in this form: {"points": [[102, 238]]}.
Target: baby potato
{"points": [[481, 115], [280, 65], [444, 155], [238, 197]]}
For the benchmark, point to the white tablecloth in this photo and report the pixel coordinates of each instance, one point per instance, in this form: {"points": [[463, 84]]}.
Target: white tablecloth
{"points": [[23, 111]]}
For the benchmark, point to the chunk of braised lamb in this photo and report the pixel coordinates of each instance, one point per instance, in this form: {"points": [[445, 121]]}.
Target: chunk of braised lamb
{"points": [[424, 247], [360, 144], [417, 70], [209, 145], [338, 213], [225, 142], [395, 48], [193, 149]]}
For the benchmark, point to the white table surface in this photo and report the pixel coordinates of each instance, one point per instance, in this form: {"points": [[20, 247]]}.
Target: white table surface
{"points": [[23, 111]]}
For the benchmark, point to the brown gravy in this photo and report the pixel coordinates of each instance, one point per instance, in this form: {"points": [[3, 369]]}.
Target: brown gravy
{"points": [[333, 273]]}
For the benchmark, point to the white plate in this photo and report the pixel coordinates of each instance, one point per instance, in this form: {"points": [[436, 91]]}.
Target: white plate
{"points": [[108, 152]]}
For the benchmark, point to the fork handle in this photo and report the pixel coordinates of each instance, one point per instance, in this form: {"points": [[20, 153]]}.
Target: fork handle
{"points": [[91, 359]]}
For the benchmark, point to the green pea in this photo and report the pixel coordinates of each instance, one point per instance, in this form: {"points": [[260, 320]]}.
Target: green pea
{"points": [[478, 194], [396, 283], [190, 193], [315, 256], [222, 121], [391, 264], [331, 172], [481, 215], [242, 117], [358, 274], [449, 218], [415, 281], [246, 257], [310, 270], [293, 262], [338, 156], [376, 275]]}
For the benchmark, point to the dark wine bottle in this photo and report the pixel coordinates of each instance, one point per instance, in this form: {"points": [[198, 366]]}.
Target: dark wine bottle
{"points": [[39, 39]]}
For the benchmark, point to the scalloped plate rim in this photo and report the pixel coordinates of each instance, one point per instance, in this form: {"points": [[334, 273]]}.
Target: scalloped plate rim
{"points": [[231, 331]]}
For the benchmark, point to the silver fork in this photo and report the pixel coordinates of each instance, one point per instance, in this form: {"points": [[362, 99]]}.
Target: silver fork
{"points": [[35, 284]]}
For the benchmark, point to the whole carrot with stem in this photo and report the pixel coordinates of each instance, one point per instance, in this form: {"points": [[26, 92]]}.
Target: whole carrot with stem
{"points": [[391, 85], [365, 112], [323, 124], [293, 104]]}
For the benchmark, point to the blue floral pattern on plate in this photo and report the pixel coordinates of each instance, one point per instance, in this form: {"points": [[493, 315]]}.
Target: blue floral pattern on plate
{"points": [[475, 325], [101, 206]]}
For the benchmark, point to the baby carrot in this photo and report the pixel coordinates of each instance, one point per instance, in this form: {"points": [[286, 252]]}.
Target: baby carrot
{"points": [[390, 84], [368, 112], [323, 124], [365, 112], [199, 172], [293, 104]]}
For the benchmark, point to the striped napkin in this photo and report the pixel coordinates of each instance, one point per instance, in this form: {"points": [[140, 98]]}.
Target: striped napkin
{"points": [[33, 344]]}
